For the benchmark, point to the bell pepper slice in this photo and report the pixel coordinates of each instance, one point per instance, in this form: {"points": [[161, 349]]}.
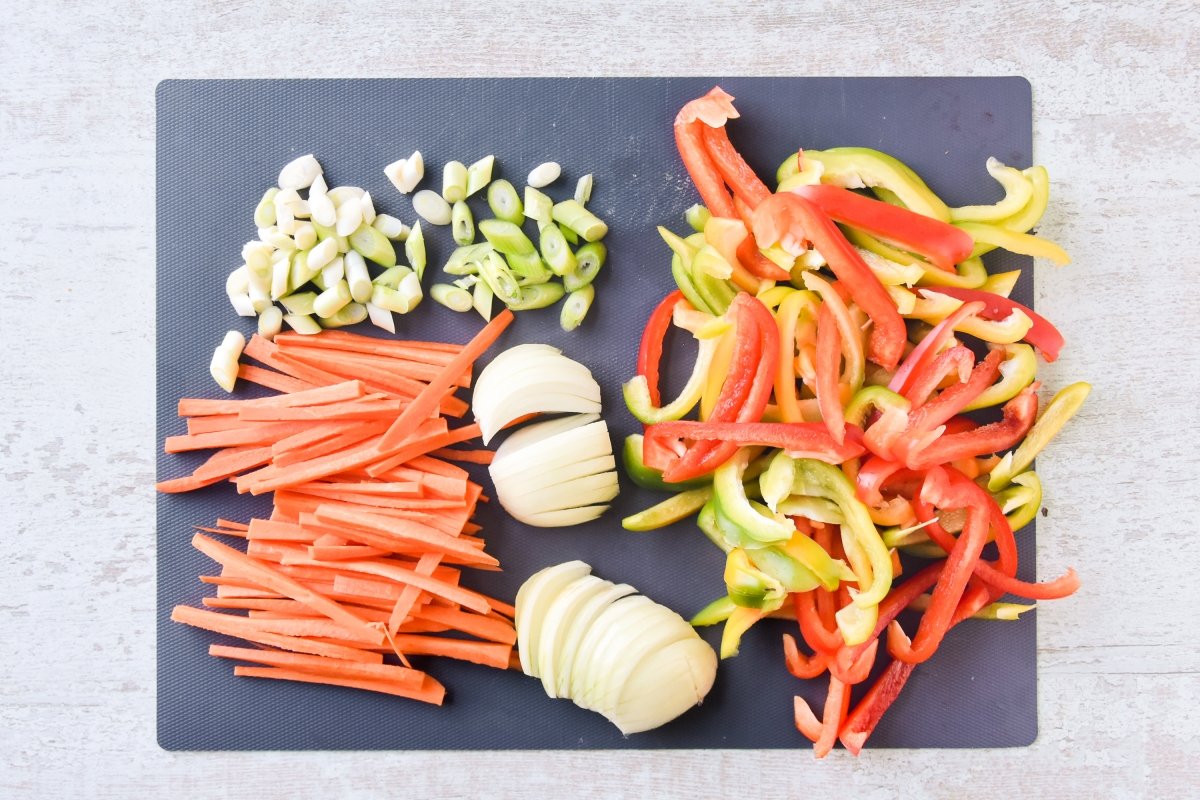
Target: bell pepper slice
{"points": [[787, 317], [1018, 191], [828, 363], [854, 371], [928, 348], [1042, 334], [953, 399], [1029, 216], [646, 476], [799, 439], [749, 586], [649, 358], [689, 140], [861, 722], [789, 215], [944, 245], [733, 168], [931, 305], [988, 237], [740, 621], [1017, 370], [969, 273], [1062, 407], [803, 667], [673, 509], [715, 612], [859, 167], [1021, 501], [637, 391], [1019, 414], [754, 262], [785, 563]]}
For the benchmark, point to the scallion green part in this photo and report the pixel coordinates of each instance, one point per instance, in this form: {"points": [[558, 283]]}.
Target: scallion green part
{"points": [[571, 236], [507, 237], [572, 214], [697, 216], [588, 261], [300, 303], [479, 174], [554, 249], [302, 323], [499, 278], [505, 203], [465, 260], [528, 268], [537, 296], [414, 250], [575, 307], [350, 314], [391, 277], [462, 223], [538, 205], [454, 182], [481, 299], [371, 244], [452, 297]]}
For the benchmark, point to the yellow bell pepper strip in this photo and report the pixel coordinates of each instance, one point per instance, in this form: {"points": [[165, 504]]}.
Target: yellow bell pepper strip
{"points": [[969, 273], [1017, 370], [789, 215], [1061, 408], [787, 317], [1025, 219], [944, 245], [681, 269], [859, 167], [988, 237], [865, 550], [740, 621], [997, 611], [1041, 334], [637, 393], [1022, 501], [1001, 283], [785, 563], [749, 586], [932, 305], [1018, 191], [715, 612]]}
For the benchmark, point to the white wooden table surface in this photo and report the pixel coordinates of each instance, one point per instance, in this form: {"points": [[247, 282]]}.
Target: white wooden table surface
{"points": [[1117, 123]]}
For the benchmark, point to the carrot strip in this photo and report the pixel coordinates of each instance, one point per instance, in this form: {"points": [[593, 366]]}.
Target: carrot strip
{"points": [[360, 409], [339, 392], [272, 579], [187, 483], [272, 379], [341, 552], [425, 403], [370, 500], [438, 467], [243, 628], [352, 434], [268, 353], [434, 352], [232, 524], [467, 456], [306, 627], [232, 460], [398, 488], [435, 586], [321, 665], [277, 531], [489, 654], [420, 447], [485, 626], [217, 422], [426, 566], [257, 433], [364, 526], [403, 366], [430, 690]]}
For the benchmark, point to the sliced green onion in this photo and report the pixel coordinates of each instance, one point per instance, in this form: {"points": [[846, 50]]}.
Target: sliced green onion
{"points": [[299, 173], [414, 250], [454, 182], [260, 296], [697, 216], [242, 304], [302, 323], [571, 236], [300, 303], [537, 296], [304, 238], [504, 202], [349, 216], [431, 207], [462, 223], [332, 272], [224, 364], [506, 237], [529, 268], [370, 243], [465, 260], [452, 297], [589, 259], [321, 210], [538, 205], [238, 281], [466, 282], [390, 227], [481, 299], [410, 290], [554, 249], [575, 307], [572, 214], [390, 299], [499, 277], [350, 314], [264, 212], [392, 277], [479, 174], [544, 174], [270, 322], [368, 208], [583, 189], [381, 317], [281, 267], [332, 300], [325, 252], [357, 276]]}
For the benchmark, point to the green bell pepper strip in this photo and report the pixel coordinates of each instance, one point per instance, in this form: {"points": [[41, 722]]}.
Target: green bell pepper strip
{"points": [[783, 563], [637, 392], [1017, 371], [673, 509], [868, 557], [696, 216], [648, 477], [873, 398], [681, 269], [706, 521], [859, 167], [1061, 408], [941, 243], [813, 508], [1018, 191], [749, 586], [727, 482], [717, 611], [969, 273], [988, 237], [716, 293], [1027, 494]]}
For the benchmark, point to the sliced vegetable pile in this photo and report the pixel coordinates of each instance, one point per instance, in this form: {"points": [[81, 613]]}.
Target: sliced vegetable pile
{"points": [[370, 531], [831, 433]]}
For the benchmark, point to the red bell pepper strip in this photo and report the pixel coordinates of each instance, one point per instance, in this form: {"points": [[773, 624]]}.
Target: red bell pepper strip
{"points": [[1001, 531], [1019, 416], [653, 336], [759, 265], [799, 439], [927, 349], [954, 399], [837, 703], [784, 215], [817, 635], [827, 361], [874, 472], [941, 243], [760, 328], [689, 139], [861, 722], [958, 359], [940, 491], [806, 721], [733, 168], [1042, 334], [802, 666]]}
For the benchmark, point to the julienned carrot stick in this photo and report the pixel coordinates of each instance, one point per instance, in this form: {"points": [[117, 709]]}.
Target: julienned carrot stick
{"points": [[244, 628], [340, 361], [343, 552], [426, 566], [489, 654], [430, 690], [352, 433], [398, 488], [233, 460], [277, 531], [318, 627], [276, 581], [360, 409], [321, 665], [435, 587], [491, 627], [339, 392], [380, 531], [188, 483], [436, 466], [355, 343], [228, 523], [415, 449], [267, 353], [258, 433], [371, 500], [216, 422], [272, 379], [467, 456], [424, 404]]}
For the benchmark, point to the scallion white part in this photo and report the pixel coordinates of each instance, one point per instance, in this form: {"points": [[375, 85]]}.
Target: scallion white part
{"points": [[260, 295], [431, 207], [281, 267], [538, 205], [270, 322], [242, 304], [323, 253], [302, 323], [381, 317], [544, 174], [299, 303], [299, 173], [264, 212], [390, 227], [368, 208], [454, 182], [583, 189], [505, 203], [481, 298], [238, 281], [576, 307], [334, 271], [414, 249], [349, 217], [462, 224], [305, 237], [452, 297], [349, 314], [357, 276], [572, 214], [332, 300], [479, 174], [318, 187], [321, 210], [224, 364]]}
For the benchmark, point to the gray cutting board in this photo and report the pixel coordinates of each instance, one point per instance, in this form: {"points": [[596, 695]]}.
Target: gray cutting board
{"points": [[221, 143]]}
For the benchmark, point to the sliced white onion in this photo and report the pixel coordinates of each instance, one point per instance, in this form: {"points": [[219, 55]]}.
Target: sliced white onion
{"points": [[585, 491], [607, 632], [517, 486], [537, 592], [566, 517], [576, 444], [556, 621], [528, 379], [577, 628], [665, 685]]}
